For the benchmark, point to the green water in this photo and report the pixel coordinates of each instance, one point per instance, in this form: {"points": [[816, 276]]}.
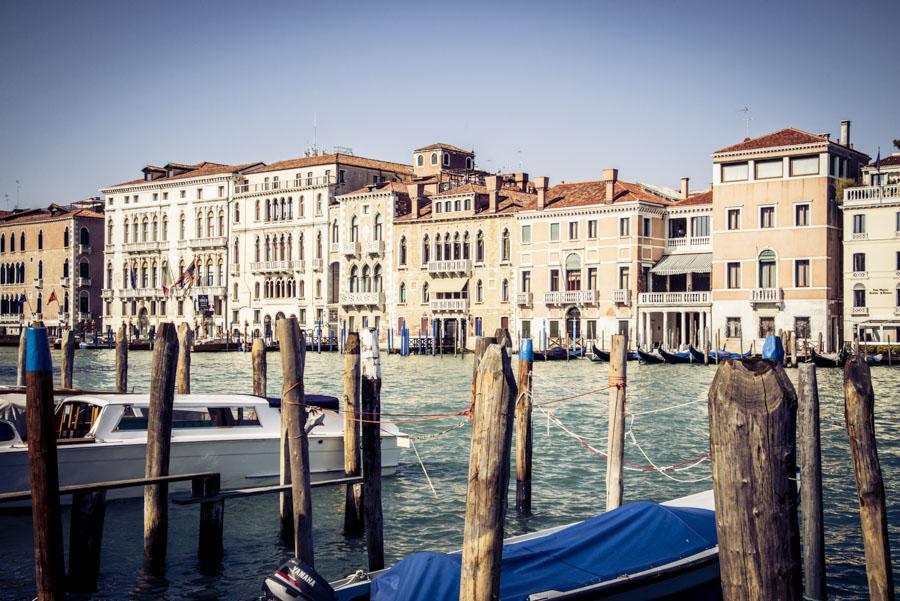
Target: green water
{"points": [[568, 478]]}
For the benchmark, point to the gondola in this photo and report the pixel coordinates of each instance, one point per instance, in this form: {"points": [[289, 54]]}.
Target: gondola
{"points": [[668, 357], [827, 359], [716, 355], [875, 360], [603, 356], [649, 358], [556, 353], [215, 346]]}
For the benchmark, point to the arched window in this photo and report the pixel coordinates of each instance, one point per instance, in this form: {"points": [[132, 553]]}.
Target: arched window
{"points": [[134, 230], [66, 236], [145, 229], [40, 270], [479, 292], [377, 279], [446, 159], [281, 248], [859, 295], [469, 163], [334, 232], [425, 296], [181, 226], [220, 273], [153, 275], [221, 222], [237, 212], [319, 204], [318, 288], [465, 248], [109, 231], [198, 223], [84, 237], [268, 210], [126, 229], [40, 239], [434, 159], [2, 243], [354, 229], [145, 275], [268, 249], [256, 250], [402, 251], [457, 247], [12, 242], [376, 231], [290, 208], [573, 272], [354, 279], [165, 228], [40, 303], [302, 289], [767, 269], [426, 250], [504, 245], [318, 245], [290, 247], [209, 272], [504, 291], [301, 207], [210, 225], [300, 250], [234, 254], [155, 229], [256, 290], [447, 255], [401, 294], [366, 280], [479, 247], [109, 275], [66, 268], [256, 214]]}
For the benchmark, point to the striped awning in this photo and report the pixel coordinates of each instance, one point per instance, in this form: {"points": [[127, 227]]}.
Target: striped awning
{"points": [[675, 264], [447, 284]]}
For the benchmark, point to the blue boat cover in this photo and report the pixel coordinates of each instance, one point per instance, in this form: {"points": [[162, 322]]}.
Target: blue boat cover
{"points": [[772, 349], [627, 540]]}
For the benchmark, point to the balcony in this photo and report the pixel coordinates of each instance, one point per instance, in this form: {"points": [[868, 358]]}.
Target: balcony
{"points": [[140, 293], [299, 183], [84, 249], [362, 299], [63, 318], [455, 266], [862, 311], [766, 295], [82, 282], [106, 294], [317, 264], [860, 275], [335, 247], [201, 243], [64, 281], [270, 267], [349, 249], [859, 236], [298, 265], [449, 305], [688, 244], [622, 296], [674, 298], [84, 317], [142, 247], [871, 194], [210, 290], [10, 320], [38, 282], [373, 247], [235, 269], [569, 297], [524, 299]]}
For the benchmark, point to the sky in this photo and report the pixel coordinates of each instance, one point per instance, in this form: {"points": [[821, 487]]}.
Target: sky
{"points": [[91, 92]]}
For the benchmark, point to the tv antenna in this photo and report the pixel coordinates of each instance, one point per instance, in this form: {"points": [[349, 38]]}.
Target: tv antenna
{"points": [[747, 118]]}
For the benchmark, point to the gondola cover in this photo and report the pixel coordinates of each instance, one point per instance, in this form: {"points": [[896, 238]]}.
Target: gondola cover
{"points": [[627, 540]]}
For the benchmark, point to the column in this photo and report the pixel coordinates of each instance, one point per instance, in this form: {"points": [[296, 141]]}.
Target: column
{"points": [[683, 327], [665, 329]]}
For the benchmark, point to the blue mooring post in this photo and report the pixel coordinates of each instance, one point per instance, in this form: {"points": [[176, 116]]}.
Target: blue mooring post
{"points": [[319, 336], [433, 337]]}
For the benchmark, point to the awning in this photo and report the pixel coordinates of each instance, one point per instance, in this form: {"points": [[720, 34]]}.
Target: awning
{"points": [[447, 284], [675, 264]]}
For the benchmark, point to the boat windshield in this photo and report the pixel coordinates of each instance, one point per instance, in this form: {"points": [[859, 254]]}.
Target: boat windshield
{"points": [[135, 418], [74, 419]]}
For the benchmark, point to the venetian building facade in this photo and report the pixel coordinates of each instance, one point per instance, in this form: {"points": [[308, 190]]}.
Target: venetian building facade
{"points": [[51, 263], [156, 228], [285, 260], [872, 255], [777, 231], [584, 252]]}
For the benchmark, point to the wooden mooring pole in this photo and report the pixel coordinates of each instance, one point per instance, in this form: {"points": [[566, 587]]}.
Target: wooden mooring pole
{"points": [[49, 566], [21, 360], [210, 546], [122, 359], [67, 359], [481, 345], [85, 538], [293, 409], [258, 357], [615, 445], [810, 450], [859, 412], [370, 413], [488, 479], [353, 502], [524, 428], [183, 372], [159, 438], [752, 426]]}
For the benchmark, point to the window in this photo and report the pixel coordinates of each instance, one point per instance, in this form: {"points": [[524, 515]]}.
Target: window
{"points": [[804, 165], [554, 328], [479, 248], [425, 296], [801, 327], [434, 159], [402, 251], [624, 227], [735, 172], [469, 163], [769, 169], [401, 295], [733, 275], [554, 280], [446, 158], [734, 219], [767, 275], [733, 327], [859, 261], [859, 224], [647, 227], [897, 222], [376, 234], [573, 230], [199, 193], [592, 229], [766, 217], [801, 215], [504, 291], [898, 260], [420, 160], [859, 296], [40, 239], [526, 234], [766, 326], [624, 277], [554, 232], [479, 292], [526, 329], [801, 273], [221, 191], [505, 246], [592, 278], [526, 281]]}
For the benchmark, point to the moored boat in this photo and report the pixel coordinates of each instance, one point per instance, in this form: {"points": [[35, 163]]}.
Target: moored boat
{"points": [[597, 354], [683, 357], [649, 357], [716, 355], [827, 359]]}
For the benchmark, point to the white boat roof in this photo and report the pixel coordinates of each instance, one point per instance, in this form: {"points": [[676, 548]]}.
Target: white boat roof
{"points": [[185, 400]]}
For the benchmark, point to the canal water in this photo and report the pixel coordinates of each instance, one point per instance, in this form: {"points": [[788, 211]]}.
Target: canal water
{"points": [[667, 402]]}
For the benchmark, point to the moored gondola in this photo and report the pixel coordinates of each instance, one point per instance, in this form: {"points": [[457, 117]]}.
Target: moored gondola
{"points": [[599, 355], [716, 355], [668, 357], [649, 358], [827, 359]]}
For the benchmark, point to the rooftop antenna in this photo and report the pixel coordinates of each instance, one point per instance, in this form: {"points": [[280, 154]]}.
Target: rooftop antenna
{"points": [[747, 118], [18, 190], [316, 131], [521, 164]]}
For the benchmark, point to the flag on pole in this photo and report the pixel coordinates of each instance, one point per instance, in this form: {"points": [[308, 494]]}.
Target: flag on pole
{"points": [[52, 298], [186, 276], [166, 279]]}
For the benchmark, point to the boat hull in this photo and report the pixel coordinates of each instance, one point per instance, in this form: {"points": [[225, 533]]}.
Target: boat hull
{"points": [[675, 358], [649, 358]]}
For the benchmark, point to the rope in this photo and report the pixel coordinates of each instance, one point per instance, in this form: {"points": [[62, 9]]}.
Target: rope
{"points": [[421, 463]]}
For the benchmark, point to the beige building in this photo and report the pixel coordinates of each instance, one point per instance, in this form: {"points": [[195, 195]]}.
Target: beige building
{"points": [[872, 255], [51, 264], [777, 236]]}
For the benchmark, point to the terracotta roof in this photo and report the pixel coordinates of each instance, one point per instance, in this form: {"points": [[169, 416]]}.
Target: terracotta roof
{"points": [[579, 194], [700, 198], [336, 158], [508, 201], [396, 187], [889, 161], [44, 214], [198, 170], [442, 146], [783, 137]]}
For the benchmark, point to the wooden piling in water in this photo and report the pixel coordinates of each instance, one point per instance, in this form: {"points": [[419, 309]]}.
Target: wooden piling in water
{"points": [[615, 445], [370, 413], [752, 425], [43, 471], [859, 413], [353, 502], [67, 359], [488, 479], [481, 345], [159, 437], [20, 360], [810, 450], [122, 359], [85, 538], [293, 409], [183, 371], [524, 428], [258, 357], [210, 546], [795, 355]]}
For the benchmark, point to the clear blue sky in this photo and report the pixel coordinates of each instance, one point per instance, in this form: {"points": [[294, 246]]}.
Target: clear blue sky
{"points": [[90, 92]]}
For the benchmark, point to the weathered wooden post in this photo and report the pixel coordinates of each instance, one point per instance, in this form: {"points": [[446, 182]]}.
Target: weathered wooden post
{"points": [[859, 412], [370, 413], [49, 566], [122, 359], [523, 428], [67, 359], [810, 450], [821, 344], [293, 409], [752, 425], [481, 345], [353, 504], [615, 445], [258, 357], [183, 372], [212, 517], [159, 437], [706, 347], [21, 360], [488, 479], [795, 356], [85, 538]]}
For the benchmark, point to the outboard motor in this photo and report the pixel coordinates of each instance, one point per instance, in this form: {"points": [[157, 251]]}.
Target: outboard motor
{"points": [[296, 581]]}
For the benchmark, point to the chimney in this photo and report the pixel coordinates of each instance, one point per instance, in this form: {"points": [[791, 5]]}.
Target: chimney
{"points": [[492, 183], [845, 133], [521, 181], [542, 184], [685, 187], [415, 193], [610, 176]]}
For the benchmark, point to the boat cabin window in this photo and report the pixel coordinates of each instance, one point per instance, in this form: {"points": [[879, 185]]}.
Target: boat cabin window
{"points": [[214, 417], [74, 419], [7, 432]]}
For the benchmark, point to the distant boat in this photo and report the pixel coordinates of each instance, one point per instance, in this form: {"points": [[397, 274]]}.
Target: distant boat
{"points": [[649, 358], [668, 357], [215, 346], [827, 359], [716, 355], [875, 360], [556, 353], [603, 356]]}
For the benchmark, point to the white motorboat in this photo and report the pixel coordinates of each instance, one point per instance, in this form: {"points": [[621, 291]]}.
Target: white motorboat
{"points": [[103, 437]]}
